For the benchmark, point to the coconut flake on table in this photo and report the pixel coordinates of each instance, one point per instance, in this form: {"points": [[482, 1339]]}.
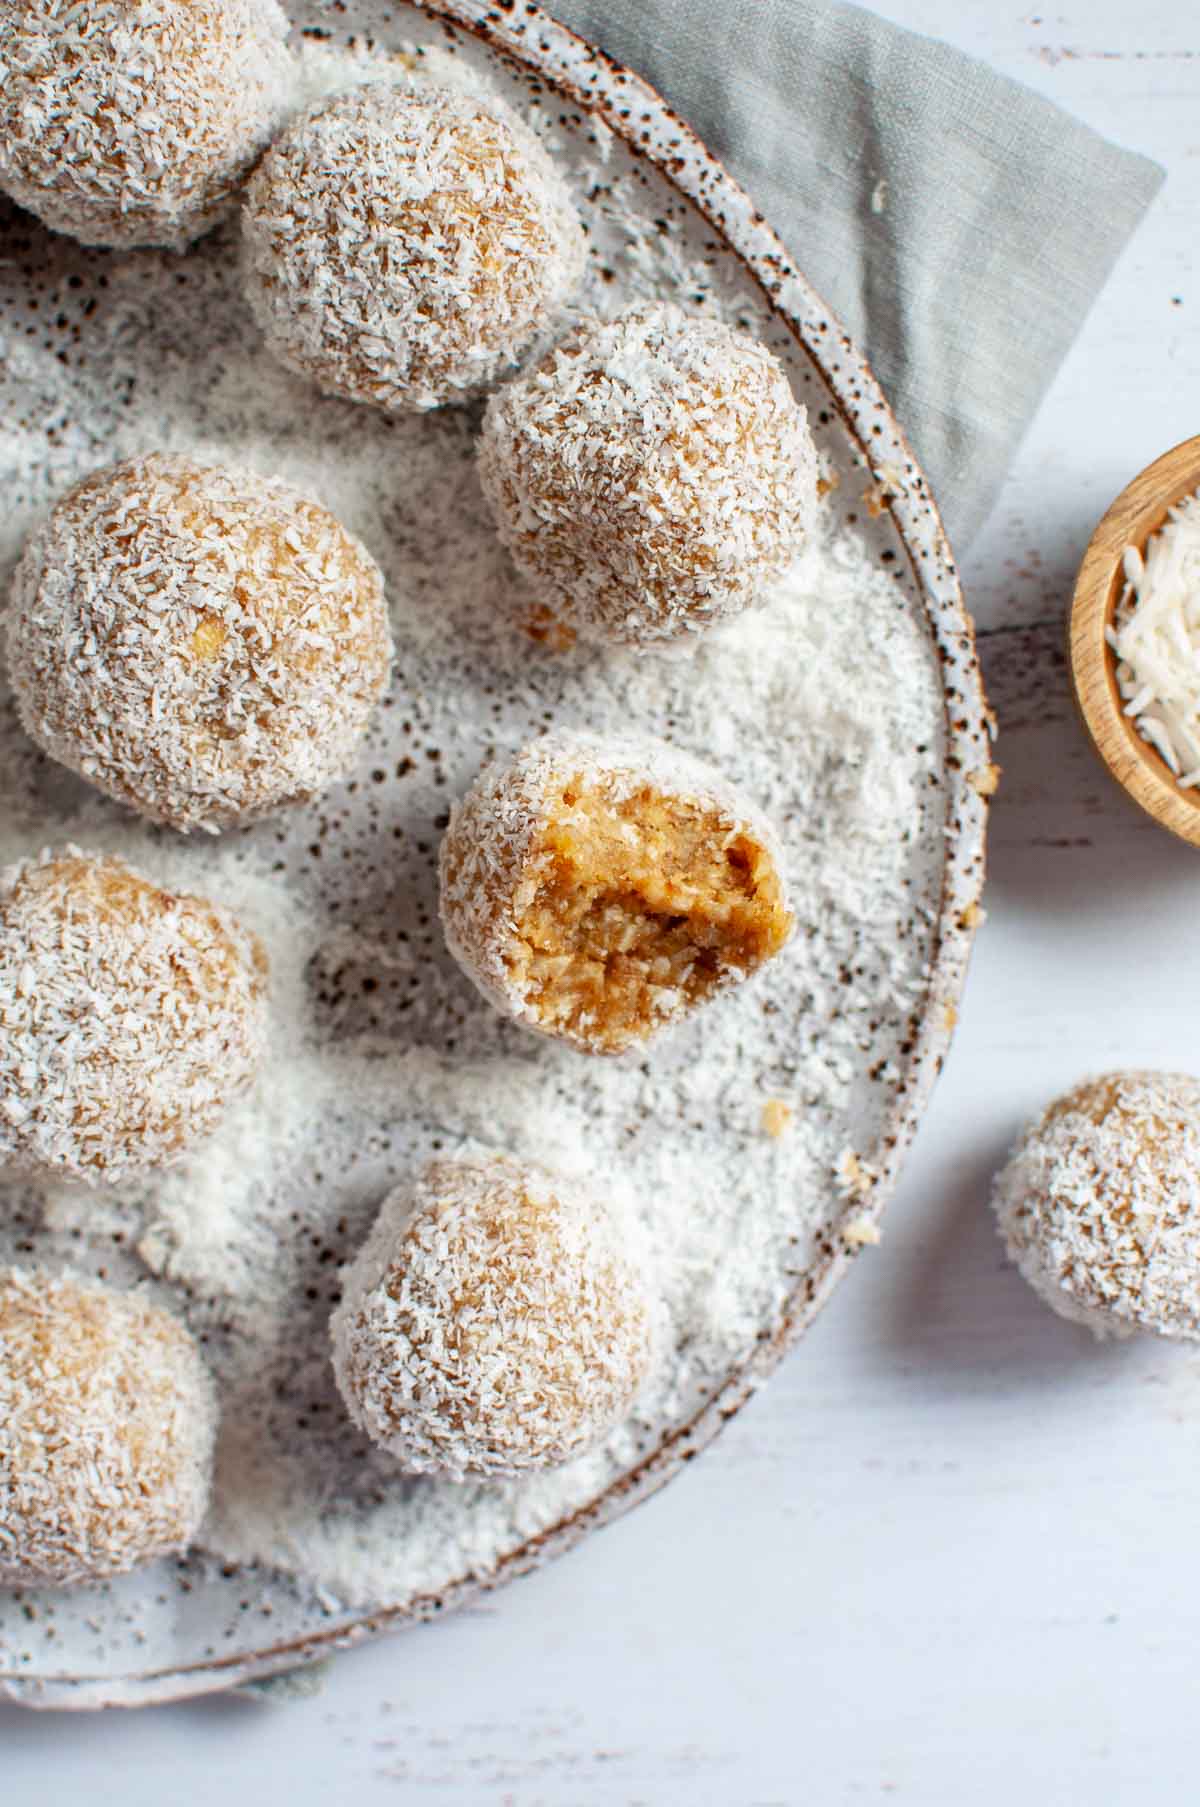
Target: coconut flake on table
{"points": [[1156, 639]]}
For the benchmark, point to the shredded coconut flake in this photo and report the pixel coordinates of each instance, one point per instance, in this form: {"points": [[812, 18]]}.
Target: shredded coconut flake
{"points": [[1155, 639]]}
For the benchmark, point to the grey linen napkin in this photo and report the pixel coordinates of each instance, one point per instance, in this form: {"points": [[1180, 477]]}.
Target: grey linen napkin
{"points": [[957, 223]]}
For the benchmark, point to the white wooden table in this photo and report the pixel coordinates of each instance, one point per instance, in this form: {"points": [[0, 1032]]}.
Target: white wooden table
{"points": [[950, 1554]]}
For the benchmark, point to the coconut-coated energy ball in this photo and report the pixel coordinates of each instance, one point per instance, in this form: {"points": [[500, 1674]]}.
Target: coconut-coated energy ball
{"points": [[204, 645], [599, 890], [130, 1016], [107, 1422], [133, 122], [1099, 1204], [402, 246], [650, 475], [493, 1322]]}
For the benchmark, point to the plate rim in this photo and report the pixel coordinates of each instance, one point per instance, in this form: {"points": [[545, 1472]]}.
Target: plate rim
{"points": [[523, 34]]}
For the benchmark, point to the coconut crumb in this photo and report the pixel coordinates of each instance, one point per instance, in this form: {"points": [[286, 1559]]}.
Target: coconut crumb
{"points": [[860, 1233], [777, 1117], [855, 1177], [985, 780]]}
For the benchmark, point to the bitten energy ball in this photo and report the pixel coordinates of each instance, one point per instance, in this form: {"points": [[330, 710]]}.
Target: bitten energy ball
{"points": [[650, 475], [204, 645], [1099, 1204], [107, 1422], [492, 1323], [129, 1017], [599, 891], [402, 246], [133, 122]]}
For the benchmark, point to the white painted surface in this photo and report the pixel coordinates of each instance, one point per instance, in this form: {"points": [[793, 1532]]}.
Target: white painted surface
{"points": [[948, 1556]]}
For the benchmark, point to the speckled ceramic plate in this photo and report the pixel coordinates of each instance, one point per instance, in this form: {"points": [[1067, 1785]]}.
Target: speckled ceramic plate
{"points": [[664, 218]]}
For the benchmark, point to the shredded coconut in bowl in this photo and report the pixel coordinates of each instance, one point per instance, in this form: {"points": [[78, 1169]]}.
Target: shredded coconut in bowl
{"points": [[402, 246], [1155, 638], [134, 122]]}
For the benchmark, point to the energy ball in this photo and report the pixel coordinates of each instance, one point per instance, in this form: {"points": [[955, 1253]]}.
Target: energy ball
{"points": [[492, 1323], [129, 1018], [108, 1417], [650, 475], [204, 645], [600, 890], [1099, 1204], [402, 246], [134, 122]]}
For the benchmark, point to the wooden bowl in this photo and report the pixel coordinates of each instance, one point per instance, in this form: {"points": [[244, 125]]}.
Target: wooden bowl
{"points": [[1138, 512]]}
